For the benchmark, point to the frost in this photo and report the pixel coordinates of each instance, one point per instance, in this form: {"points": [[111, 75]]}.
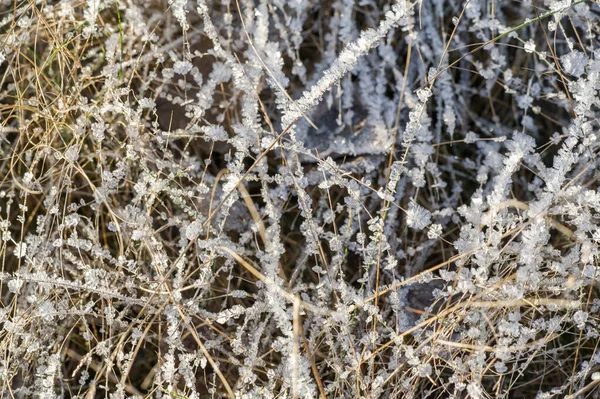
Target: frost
{"points": [[98, 130], [424, 370], [14, 285], [574, 63], [500, 367], [147, 103], [182, 67], [417, 217], [112, 227], [91, 15], [138, 235], [580, 318], [424, 94], [28, 178], [404, 195], [72, 153], [435, 231], [179, 9], [529, 46], [193, 230], [20, 250], [471, 138], [216, 133], [72, 220], [47, 311]]}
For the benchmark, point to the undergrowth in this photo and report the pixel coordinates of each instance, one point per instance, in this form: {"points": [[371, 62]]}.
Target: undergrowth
{"points": [[302, 199]]}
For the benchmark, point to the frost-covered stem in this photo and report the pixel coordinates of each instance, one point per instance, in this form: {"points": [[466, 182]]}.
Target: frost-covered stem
{"points": [[269, 282], [523, 206], [345, 62]]}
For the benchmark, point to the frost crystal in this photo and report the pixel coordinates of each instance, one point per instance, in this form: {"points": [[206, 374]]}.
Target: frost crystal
{"points": [[72, 153], [574, 63], [182, 67], [112, 227], [91, 15], [15, 285], [147, 103], [434, 231], [423, 94], [20, 250], [72, 220], [417, 217], [580, 318], [529, 46], [180, 12], [98, 130], [193, 230]]}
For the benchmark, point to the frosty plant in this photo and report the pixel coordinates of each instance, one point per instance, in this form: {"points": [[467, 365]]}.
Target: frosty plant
{"points": [[302, 199]]}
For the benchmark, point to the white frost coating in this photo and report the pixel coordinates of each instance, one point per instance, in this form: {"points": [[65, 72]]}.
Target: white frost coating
{"points": [[193, 230], [417, 217], [180, 12], [345, 62], [20, 250], [239, 78], [574, 63], [529, 46], [434, 231], [182, 67], [72, 153], [90, 14]]}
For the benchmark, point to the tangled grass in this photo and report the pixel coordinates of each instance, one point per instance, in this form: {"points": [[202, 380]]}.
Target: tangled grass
{"points": [[267, 199]]}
